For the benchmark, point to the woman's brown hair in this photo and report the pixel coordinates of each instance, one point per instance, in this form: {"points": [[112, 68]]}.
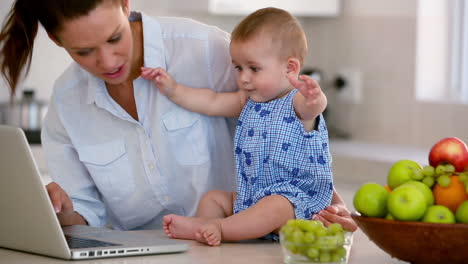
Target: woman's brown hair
{"points": [[20, 29]]}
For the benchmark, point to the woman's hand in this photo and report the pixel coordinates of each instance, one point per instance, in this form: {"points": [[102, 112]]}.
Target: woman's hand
{"points": [[336, 213], [63, 206]]}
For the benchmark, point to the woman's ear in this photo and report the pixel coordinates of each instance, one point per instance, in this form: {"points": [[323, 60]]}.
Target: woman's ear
{"points": [[293, 66], [54, 39]]}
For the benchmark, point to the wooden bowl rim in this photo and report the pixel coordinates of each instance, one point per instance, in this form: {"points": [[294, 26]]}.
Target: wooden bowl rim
{"points": [[358, 218]]}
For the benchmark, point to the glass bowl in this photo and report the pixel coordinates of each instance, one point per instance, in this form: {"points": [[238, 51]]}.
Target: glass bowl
{"points": [[325, 248]]}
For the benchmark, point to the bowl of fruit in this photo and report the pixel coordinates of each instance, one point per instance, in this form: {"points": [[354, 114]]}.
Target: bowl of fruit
{"points": [[309, 241], [421, 214]]}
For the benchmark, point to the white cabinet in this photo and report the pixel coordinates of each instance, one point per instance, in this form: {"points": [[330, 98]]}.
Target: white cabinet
{"points": [[245, 7]]}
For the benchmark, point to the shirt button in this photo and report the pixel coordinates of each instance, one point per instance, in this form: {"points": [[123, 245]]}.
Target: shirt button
{"points": [[151, 166], [167, 198]]}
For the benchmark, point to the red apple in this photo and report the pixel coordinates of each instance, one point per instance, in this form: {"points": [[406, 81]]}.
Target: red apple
{"points": [[450, 150]]}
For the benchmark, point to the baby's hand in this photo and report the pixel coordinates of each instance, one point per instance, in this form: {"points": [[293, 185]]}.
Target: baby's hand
{"points": [[163, 80], [308, 87], [336, 213]]}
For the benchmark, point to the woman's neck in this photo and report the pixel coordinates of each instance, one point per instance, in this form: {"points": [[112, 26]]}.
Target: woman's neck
{"points": [[138, 53]]}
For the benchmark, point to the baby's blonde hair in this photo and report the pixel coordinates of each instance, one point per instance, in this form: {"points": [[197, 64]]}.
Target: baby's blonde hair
{"points": [[286, 32]]}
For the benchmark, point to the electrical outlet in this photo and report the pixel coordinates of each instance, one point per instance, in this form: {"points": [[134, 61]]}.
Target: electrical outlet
{"points": [[348, 83]]}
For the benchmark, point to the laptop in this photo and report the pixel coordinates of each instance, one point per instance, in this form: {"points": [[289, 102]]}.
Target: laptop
{"points": [[28, 221]]}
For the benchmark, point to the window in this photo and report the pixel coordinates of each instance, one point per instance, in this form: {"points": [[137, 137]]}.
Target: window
{"points": [[442, 51]]}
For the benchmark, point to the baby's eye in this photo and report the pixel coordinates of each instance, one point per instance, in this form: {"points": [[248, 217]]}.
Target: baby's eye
{"points": [[238, 68], [254, 69], [115, 39]]}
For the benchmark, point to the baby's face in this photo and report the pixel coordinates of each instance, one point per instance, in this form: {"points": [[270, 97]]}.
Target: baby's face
{"points": [[260, 72]]}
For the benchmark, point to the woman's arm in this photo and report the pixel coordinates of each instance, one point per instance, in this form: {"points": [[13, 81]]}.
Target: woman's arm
{"points": [[200, 100], [69, 175], [336, 213]]}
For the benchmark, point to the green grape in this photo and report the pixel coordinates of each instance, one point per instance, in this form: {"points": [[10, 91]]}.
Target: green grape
{"points": [[287, 232], [429, 181], [440, 169], [335, 228], [309, 237], [463, 177], [292, 223], [341, 251], [449, 168], [326, 242], [298, 237], [302, 249], [428, 170], [286, 229], [340, 239], [291, 247], [417, 174], [325, 257], [311, 225], [335, 257], [321, 232], [443, 180], [312, 253]]}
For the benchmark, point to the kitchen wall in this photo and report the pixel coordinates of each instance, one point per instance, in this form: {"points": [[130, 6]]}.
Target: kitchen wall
{"points": [[375, 37], [378, 38]]}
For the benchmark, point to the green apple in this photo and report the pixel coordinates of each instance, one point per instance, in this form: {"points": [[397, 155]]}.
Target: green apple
{"points": [[371, 200], [438, 214], [462, 213], [425, 190], [401, 172], [406, 203]]}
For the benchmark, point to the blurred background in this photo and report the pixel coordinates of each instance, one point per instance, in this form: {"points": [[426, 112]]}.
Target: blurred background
{"points": [[394, 71]]}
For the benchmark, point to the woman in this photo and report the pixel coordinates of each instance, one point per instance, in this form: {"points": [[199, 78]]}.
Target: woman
{"points": [[118, 151]]}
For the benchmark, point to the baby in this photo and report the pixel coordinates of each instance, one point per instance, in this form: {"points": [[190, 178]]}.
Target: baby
{"points": [[281, 141]]}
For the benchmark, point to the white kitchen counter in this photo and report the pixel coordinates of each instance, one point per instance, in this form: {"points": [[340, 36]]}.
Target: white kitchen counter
{"points": [[258, 252], [348, 177]]}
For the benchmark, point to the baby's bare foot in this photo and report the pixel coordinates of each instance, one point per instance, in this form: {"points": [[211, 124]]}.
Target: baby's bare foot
{"points": [[210, 233], [182, 227]]}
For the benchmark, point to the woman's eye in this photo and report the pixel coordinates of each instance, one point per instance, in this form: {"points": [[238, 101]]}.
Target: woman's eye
{"points": [[83, 52], [115, 39]]}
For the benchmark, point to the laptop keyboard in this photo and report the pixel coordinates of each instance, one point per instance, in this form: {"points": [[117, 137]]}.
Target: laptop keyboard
{"points": [[77, 242]]}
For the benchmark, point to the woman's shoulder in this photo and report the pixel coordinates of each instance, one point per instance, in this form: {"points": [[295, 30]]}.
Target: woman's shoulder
{"points": [[187, 27], [70, 80]]}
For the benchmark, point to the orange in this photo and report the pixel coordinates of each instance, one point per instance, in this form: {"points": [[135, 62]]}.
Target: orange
{"points": [[451, 196], [388, 188]]}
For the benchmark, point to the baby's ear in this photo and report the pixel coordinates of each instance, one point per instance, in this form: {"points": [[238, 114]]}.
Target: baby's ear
{"points": [[293, 66]]}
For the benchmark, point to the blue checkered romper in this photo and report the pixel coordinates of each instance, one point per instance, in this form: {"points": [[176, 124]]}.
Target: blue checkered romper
{"points": [[274, 155]]}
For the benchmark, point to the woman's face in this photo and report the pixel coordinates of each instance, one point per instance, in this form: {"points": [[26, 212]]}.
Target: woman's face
{"points": [[101, 42]]}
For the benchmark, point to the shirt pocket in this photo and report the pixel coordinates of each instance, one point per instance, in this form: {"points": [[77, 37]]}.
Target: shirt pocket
{"points": [[108, 165], [187, 134]]}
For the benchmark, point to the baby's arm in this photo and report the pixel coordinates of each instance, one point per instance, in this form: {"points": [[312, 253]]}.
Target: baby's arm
{"points": [[200, 100], [310, 102]]}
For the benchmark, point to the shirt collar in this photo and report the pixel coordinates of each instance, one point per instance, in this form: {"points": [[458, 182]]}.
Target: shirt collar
{"points": [[153, 43], [153, 50]]}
